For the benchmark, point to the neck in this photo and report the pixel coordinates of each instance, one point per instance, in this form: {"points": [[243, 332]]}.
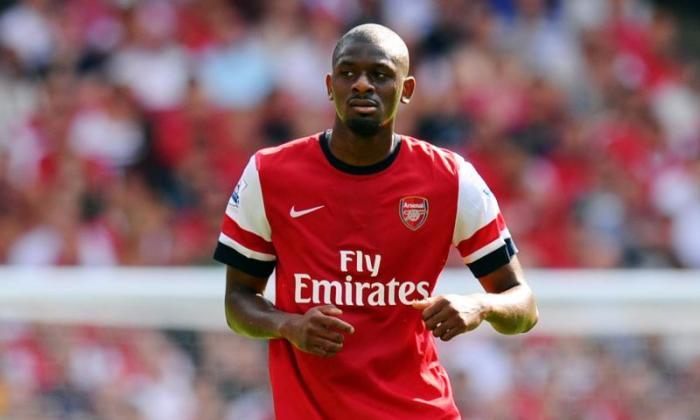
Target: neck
{"points": [[358, 150]]}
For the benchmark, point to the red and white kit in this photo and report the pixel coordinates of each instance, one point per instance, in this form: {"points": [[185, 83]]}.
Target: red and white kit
{"points": [[369, 240]]}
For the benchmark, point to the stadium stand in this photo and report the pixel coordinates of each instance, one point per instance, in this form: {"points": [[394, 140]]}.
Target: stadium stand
{"points": [[125, 124]]}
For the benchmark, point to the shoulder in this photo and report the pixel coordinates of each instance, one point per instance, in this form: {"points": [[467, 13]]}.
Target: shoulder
{"points": [[289, 153], [436, 157]]}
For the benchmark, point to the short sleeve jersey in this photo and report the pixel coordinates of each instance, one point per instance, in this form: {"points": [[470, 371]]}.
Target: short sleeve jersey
{"points": [[369, 240]]}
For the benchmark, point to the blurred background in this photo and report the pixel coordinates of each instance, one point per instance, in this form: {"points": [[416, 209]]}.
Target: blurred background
{"points": [[125, 124]]}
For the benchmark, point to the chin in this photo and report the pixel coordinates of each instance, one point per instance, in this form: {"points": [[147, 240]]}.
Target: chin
{"points": [[363, 127]]}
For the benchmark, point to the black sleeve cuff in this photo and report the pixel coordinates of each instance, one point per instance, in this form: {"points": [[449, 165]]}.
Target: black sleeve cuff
{"points": [[496, 259], [230, 256]]}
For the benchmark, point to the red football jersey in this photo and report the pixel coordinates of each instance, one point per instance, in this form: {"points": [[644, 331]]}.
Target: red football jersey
{"points": [[369, 240]]}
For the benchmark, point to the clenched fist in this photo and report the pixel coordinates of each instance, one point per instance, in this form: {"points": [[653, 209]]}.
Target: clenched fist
{"points": [[318, 331], [450, 315]]}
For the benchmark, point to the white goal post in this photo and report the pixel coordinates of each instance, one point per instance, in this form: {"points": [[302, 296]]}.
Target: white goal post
{"points": [[571, 302]]}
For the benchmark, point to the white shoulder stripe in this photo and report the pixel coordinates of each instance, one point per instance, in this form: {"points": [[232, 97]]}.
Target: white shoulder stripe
{"points": [[249, 210], [489, 248], [476, 205], [249, 253]]}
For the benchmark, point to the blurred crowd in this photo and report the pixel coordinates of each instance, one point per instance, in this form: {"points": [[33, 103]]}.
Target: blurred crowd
{"points": [[84, 373], [125, 124]]}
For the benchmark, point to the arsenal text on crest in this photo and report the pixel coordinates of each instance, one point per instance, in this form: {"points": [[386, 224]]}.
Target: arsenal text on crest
{"points": [[413, 211]]}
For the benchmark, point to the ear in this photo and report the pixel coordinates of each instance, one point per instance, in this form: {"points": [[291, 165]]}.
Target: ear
{"points": [[409, 86], [329, 87]]}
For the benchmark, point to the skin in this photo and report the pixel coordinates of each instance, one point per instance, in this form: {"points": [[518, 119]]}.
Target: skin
{"points": [[373, 71], [508, 305], [368, 81], [319, 331]]}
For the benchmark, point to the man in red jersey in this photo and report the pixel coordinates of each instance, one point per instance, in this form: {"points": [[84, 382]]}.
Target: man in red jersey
{"points": [[357, 223]]}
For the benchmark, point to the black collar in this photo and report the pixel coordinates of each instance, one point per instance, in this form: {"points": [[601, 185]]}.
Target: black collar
{"points": [[325, 138]]}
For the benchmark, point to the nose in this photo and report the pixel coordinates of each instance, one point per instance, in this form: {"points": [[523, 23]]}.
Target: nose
{"points": [[362, 84]]}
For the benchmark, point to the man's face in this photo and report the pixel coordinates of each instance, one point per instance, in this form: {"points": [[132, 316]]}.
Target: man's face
{"points": [[366, 86]]}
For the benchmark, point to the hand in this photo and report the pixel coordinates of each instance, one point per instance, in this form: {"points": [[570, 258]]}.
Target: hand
{"points": [[450, 315], [318, 331]]}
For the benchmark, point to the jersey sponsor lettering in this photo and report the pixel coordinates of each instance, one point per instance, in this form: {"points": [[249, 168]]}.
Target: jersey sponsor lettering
{"points": [[354, 291]]}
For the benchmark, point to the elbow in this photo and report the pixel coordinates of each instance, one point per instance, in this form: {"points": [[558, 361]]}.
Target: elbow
{"points": [[533, 316], [521, 324], [531, 321], [233, 325], [523, 327], [230, 322]]}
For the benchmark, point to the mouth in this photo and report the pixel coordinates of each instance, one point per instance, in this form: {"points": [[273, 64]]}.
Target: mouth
{"points": [[363, 106]]}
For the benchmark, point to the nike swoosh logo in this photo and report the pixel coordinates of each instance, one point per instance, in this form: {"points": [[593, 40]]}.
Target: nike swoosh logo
{"points": [[294, 213]]}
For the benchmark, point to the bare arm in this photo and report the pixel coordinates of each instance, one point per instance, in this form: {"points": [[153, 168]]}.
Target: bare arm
{"points": [[508, 305], [248, 313]]}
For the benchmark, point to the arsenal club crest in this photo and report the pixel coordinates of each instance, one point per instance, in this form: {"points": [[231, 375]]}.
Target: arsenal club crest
{"points": [[413, 211]]}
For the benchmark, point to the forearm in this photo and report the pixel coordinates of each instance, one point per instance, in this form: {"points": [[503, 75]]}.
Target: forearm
{"points": [[511, 312], [254, 316]]}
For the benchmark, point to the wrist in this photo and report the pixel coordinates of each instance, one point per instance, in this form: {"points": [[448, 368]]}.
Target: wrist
{"points": [[485, 306], [287, 326]]}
